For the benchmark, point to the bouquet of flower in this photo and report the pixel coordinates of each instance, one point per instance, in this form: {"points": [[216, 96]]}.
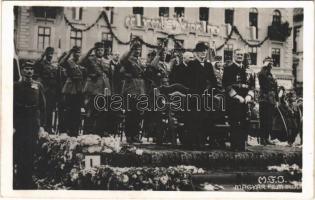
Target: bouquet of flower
{"points": [[144, 178]]}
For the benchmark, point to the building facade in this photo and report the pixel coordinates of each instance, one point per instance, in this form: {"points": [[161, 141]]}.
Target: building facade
{"points": [[39, 27], [298, 50]]}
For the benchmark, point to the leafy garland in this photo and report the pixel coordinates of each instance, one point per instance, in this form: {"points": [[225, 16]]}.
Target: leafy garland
{"points": [[169, 36]]}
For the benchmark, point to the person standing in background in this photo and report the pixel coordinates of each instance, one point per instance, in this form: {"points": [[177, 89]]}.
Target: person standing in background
{"points": [[46, 73], [268, 99]]}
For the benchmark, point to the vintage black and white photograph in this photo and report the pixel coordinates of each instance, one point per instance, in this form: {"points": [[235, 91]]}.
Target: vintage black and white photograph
{"points": [[158, 98]]}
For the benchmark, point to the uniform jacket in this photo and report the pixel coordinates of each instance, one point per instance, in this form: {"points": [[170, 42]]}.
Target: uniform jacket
{"points": [[132, 74], [47, 75], [268, 86], [74, 82], [219, 75], [29, 101], [239, 80], [98, 76], [199, 78]]}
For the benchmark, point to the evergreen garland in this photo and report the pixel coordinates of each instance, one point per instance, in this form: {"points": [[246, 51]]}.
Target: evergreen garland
{"points": [[169, 36]]}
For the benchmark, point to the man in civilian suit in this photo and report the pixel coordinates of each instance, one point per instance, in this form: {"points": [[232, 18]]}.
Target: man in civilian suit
{"points": [[199, 77]]}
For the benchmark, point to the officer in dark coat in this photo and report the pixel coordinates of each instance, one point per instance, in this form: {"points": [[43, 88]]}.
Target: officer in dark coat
{"points": [[177, 74], [239, 84], [47, 76], [268, 99], [72, 90], [199, 77], [98, 81], [28, 115], [133, 85]]}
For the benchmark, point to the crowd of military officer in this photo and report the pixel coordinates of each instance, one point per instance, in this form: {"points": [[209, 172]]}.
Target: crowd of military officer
{"points": [[73, 83]]}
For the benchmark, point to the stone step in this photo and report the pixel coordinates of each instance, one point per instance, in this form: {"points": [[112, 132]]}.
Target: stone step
{"points": [[257, 157]]}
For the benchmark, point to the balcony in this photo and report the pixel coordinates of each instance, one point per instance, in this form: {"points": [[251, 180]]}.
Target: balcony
{"points": [[279, 32]]}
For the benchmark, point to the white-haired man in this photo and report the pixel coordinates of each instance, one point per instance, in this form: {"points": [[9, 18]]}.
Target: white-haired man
{"points": [[177, 74]]}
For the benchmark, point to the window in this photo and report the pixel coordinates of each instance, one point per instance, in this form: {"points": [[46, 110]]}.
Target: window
{"points": [[276, 18], [228, 53], [275, 54], [107, 39], [77, 13], [229, 16], [43, 37], [253, 19], [45, 12], [204, 14], [253, 55], [75, 38], [110, 14], [164, 12], [179, 11], [137, 10]]}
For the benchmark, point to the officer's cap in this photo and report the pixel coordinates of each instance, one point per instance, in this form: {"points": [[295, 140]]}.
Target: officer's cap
{"points": [[50, 50], [217, 58], [268, 59], [136, 45], [28, 64], [76, 49], [99, 45], [201, 46]]}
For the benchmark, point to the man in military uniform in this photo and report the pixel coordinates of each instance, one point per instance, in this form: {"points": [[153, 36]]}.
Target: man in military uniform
{"points": [[47, 75], [156, 75], [239, 84], [28, 115], [218, 71], [199, 77], [268, 99], [72, 90], [98, 79], [133, 85]]}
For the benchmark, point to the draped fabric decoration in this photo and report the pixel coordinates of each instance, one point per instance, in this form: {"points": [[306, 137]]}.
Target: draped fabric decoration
{"points": [[103, 15]]}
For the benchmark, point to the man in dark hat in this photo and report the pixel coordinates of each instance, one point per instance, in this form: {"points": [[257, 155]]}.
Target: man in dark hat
{"points": [[28, 116], [97, 83], [268, 99], [199, 77], [239, 85], [133, 85], [72, 90], [46, 73]]}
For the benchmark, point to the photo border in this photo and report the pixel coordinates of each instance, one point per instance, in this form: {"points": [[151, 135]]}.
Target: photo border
{"points": [[7, 108]]}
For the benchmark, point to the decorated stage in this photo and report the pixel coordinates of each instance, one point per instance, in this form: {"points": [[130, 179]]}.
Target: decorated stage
{"points": [[91, 162]]}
